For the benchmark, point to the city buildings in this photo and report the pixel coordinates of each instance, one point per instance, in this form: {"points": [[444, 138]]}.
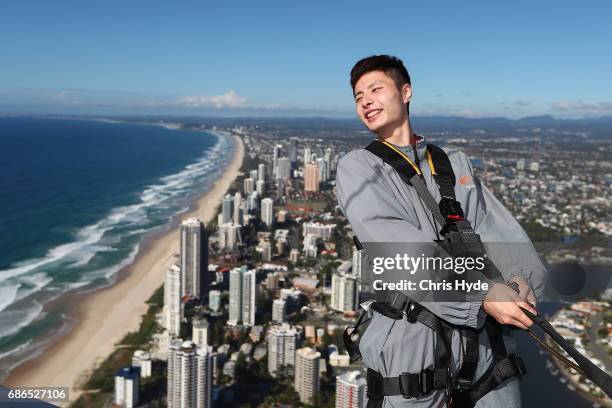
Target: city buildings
{"points": [[345, 294], [194, 258], [200, 332], [173, 308], [142, 359], [282, 344], [127, 387], [279, 310], [312, 177], [319, 230], [351, 389], [267, 213], [189, 375], [242, 297], [214, 300], [307, 377]]}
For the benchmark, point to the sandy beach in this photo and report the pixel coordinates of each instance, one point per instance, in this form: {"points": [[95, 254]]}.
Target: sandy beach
{"points": [[105, 316]]}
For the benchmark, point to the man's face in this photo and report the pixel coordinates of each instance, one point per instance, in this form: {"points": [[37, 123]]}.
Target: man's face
{"points": [[378, 102]]}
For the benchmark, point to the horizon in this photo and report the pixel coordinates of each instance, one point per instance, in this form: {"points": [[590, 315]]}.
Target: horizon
{"points": [[480, 60]]}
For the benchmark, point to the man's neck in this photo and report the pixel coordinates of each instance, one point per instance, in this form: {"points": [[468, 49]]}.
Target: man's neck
{"points": [[401, 135]]}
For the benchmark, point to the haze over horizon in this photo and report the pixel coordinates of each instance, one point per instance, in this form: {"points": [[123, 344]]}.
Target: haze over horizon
{"points": [[266, 59]]}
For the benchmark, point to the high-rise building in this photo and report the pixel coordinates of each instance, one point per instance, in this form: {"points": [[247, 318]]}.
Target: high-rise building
{"points": [[253, 202], [307, 155], [248, 186], [254, 174], [189, 375], [194, 258], [226, 208], [520, 164], [351, 389], [279, 310], [259, 187], [237, 216], [173, 308], [267, 213], [323, 231], [359, 263], [214, 300], [242, 297], [275, 155], [200, 332], [282, 343], [127, 387], [311, 178], [293, 151], [307, 375], [284, 168], [294, 255], [534, 166], [229, 235], [261, 172], [310, 245], [204, 375], [344, 293], [142, 359], [322, 169]]}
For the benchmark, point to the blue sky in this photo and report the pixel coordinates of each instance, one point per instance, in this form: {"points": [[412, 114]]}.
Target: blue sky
{"points": [[273, 58]]}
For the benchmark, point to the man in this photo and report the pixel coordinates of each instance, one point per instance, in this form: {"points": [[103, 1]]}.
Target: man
{"points": [[381, 207]]}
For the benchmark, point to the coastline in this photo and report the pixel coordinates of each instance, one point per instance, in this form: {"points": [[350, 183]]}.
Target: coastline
{"points": [[564, 372], [104, 316]]}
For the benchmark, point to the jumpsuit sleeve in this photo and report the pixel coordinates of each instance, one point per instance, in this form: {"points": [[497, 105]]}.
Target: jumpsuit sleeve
{"points": [[508, 245], [376, 216]]}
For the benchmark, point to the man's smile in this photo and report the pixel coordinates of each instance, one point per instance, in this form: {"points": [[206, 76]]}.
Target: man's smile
{"points": [[372, 115]]}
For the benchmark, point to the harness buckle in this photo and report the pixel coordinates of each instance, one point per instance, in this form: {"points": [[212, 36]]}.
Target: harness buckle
{"points": [[462, 384], [414, 385]]}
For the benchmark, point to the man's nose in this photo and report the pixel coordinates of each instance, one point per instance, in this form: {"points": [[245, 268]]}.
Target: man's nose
{"points": [[366, 101]]}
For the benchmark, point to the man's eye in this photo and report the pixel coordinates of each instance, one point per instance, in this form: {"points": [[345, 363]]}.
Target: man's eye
{"points": [[376, 89], [357, 100]]}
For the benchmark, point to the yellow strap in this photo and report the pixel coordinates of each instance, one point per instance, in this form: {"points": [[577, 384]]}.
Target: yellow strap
{"points": [[431, 165], [414, 166]]}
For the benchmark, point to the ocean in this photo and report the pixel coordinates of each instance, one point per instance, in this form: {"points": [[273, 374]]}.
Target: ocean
{"points": [[77, 198]]}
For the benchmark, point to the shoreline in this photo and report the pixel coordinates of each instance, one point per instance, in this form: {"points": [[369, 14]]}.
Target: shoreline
{"points": [[564, 371], [101, 314]]}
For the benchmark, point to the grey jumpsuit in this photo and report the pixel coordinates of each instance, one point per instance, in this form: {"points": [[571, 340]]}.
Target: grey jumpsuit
{"points": [[380, 207]]}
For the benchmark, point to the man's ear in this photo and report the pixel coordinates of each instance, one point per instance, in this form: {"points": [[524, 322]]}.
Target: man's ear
{"points": [[406, 93]]}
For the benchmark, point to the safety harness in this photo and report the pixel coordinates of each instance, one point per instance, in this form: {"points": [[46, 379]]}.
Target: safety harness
{"points": [[458, 239]]}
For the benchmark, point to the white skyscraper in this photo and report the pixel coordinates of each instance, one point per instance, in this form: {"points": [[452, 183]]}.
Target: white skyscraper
{"points": [[237, 216], [242, 297], [351, 389], [359, 263], [189, 375], [226, 208], [275, 155], [142, 359], [214, 300], [267, 213], [194, 258], [283, 166], [307, 155], [279, 310], [200, 332], [127, 387], [261, 172], [344, 293], [282, 343], [173, 307], [259, 187], [248, 186], [307, 377]]}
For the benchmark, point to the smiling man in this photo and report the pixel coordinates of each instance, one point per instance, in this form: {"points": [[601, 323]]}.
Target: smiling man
{"points": [[403, 349]]}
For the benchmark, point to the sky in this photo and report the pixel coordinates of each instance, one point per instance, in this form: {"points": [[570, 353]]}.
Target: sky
{"points": [[280, 58]]}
